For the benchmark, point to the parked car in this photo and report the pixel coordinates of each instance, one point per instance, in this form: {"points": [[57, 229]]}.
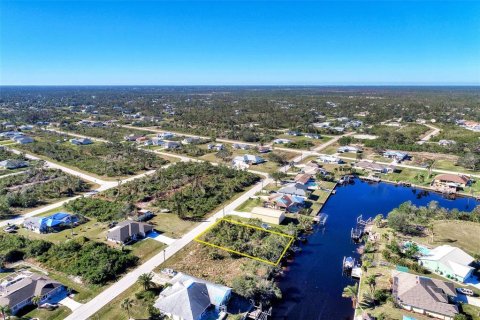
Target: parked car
{"points": [[465, 291], [11, 228]]}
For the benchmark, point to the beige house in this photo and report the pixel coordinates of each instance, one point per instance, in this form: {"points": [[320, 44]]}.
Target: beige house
{"points": [[424, 295], [268, 215]]}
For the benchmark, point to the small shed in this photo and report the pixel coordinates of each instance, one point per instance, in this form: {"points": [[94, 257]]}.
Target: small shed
{"points": [[268, 215]]}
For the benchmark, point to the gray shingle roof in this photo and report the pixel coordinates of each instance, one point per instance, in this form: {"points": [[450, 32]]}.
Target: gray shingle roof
{"points": [[424, 293]]}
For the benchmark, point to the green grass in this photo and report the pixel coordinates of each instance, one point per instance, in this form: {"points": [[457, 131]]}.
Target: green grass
{"points": [[58, 314], [462, 234], [171, 225], [444, 164], [472, 311], [248, 205], [146, 249], [114, 310]]}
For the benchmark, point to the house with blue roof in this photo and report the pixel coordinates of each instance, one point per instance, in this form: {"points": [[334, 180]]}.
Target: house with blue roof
{"points": [[56, 222], [396, 155]]}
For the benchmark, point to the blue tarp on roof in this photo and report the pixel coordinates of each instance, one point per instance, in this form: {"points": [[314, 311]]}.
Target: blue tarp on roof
{"points": [[57, 219]]}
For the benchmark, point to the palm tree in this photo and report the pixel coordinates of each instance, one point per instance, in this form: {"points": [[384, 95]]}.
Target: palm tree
{"points": [[371, 282], [127, 303], [352, 293], [36, 300], [145, 280], [4, 310]]}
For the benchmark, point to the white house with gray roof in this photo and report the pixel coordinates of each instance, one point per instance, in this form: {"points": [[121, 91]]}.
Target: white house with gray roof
{"points": [[448, 261], [190, 298]]}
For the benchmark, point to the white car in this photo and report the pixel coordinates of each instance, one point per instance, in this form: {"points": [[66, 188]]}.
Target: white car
{"points": [[465, 291]]}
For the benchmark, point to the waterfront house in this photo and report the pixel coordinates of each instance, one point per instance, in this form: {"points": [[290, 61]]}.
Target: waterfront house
{"points": [[295, 189], [268, 215], [11, 164], [450, 181], [18, 290], [303, 178], [395, 155], [81, 141], [190, 298], [281, 141], [351, 149], [450, 262], [313, 168], [55, 222], [128, 231], [373, 167], [285, 202], [424, 295], [329, 159]]}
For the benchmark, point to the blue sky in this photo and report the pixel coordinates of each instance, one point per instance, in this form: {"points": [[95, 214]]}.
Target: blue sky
{"points": [[315, 42]]}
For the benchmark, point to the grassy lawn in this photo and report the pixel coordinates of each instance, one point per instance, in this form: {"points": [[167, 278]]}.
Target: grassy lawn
{"points": [[92, 230], [472, 311], [248, 205], [171, 225], [444, 164], [146, 248], [194, 260], [43, 314], [114, 310], [462, 234]]}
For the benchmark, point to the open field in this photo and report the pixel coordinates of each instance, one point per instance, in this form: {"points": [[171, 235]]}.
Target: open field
{"points": [[103, 159], [462, 234]]}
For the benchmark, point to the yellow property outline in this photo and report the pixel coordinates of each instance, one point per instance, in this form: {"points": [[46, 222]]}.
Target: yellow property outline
{"points": [[197, 239]]}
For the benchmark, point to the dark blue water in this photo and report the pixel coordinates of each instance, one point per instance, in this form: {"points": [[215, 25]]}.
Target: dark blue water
{"points": [[312, 287]]}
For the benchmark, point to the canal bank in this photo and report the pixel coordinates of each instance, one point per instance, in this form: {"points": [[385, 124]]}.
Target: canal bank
{"points": [[313, 282]]}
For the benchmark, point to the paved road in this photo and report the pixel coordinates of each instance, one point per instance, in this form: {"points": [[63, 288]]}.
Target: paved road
{"points": [[90, 308], [434, 131], [402, 165], [189, 135], [76, 135], [54, 165]]}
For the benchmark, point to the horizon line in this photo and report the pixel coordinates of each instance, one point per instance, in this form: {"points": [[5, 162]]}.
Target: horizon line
{"points": [[421, 84]]}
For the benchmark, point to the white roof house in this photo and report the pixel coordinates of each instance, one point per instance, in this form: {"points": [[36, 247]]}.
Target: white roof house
{"points": [[247, 159], [449, 261], [189, 298], [329, 159]]}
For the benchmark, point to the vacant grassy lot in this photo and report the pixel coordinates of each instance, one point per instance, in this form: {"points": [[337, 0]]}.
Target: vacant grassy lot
{"points": [[195, 260], [462, 234]]}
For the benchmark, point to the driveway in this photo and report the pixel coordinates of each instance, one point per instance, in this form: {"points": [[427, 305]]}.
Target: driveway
{"points": [[160, 237]]}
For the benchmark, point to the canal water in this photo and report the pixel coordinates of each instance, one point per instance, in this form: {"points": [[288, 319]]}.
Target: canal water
{"points": [[313, 284]]}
